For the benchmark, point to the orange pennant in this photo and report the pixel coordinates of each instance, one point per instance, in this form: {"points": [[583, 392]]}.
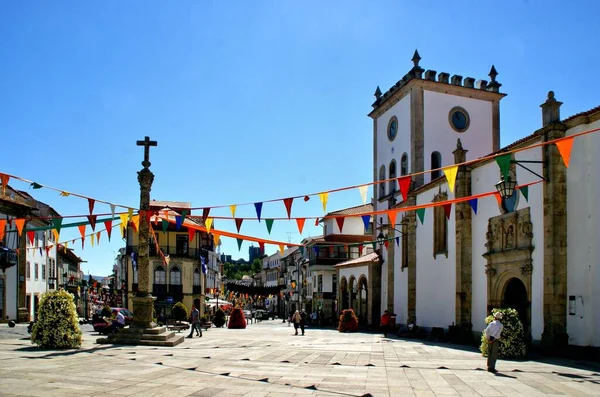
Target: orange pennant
{"points": [[2, 228], [392, 217], [4, 178], [216, 238], [20, 224], [564, 148], [300, 222], [98, 236], [82, 230]]}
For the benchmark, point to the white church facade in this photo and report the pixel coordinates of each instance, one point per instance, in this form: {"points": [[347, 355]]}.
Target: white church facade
{"points": [[533, 250]]}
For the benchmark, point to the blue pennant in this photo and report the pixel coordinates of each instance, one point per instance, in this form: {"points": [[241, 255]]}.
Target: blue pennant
{"points": [[258, 207], [473, 204]]}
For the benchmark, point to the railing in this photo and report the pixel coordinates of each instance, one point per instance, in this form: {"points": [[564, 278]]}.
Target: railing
{"points": [[173, 250]]}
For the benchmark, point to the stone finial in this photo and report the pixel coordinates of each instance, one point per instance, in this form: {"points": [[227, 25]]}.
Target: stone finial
{"points": [[377, 93], [416, 58], [550, 110], [460, 154], [493, 73], [493, 86], [481, 84]]}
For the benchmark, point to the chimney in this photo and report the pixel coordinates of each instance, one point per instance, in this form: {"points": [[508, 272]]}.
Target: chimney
{"points": [[550, 110]]}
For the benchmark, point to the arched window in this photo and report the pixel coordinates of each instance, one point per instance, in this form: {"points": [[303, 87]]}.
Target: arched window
{"points": [[392, 176], [196, 277], [382, 178], [404, 164], [436, 162], [160, 276], [175, 276]]}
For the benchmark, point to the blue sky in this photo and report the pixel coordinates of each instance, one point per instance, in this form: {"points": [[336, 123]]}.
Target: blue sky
{"points": [[251, 101]]}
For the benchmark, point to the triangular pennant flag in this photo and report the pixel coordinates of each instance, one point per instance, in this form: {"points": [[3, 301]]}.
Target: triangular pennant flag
{"points": [[205, 212], [148, 215], [129, 213], [91, 203], [374, 245], [360, 249], [288, 206], [20, 223], [4, 178], [112, 210], [269, 223], [178, 222], [261, 245], [238, 223], [208, 224], [98, 236], [65, 194], [239, 242], [258, 207], [57, 223], [392, 217], [473, 204], [232, 208], [48, 248], [498, 198], [184, 213], [124, 223], [300, 222], [191, 234], [564, 148], [56, 235], [135, 222], [367, 221], [82, 242], [450, 173], [35, 185], [31, 236], [324, 197], [92, 239], [81, 230], [281, 248], [340, 222], [66, 246], [525, 192], [447, 209], [108, 226], [404, 184], [317, 222], [363, 193], [2, 228], [421, 214], [165, 225], [504, 164], [216, 238], [397, 241], [40, 248], [386, 243], [92, 219]]}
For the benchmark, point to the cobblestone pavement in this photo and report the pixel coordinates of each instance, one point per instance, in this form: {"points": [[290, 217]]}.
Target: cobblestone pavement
{"points": [[266, 359]]}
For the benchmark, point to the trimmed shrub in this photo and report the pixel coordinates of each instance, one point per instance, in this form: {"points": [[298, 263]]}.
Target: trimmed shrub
{"points": [[236, 319], [57, 325], [219, 319], [348, 321], [512, 341], [180, 312]]}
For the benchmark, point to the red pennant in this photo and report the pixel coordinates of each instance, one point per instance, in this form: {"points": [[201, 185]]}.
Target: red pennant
{"points": [[149, 215], [404, 184], [300, 222], [386, 243], [340, 223], [81, 230], [288, 206], [92, 219], [238, 223], [47, 249], [261, 245], [447, 209], [31, 236], [360, 249], [191, 234], [306, 198], [98, 236], [4, 178], [82, 242], [108, 225], [205, 213], [317, 222], [91, 205]]}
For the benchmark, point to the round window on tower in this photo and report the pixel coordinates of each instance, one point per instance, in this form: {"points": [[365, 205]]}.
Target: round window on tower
{"points": [[459, 119], [392, 129]]}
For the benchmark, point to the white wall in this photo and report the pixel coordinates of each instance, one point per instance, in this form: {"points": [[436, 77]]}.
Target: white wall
{"points": [[400, 282], [436, 277], [583, 274], [11, 280], [439, 135], [352, 225], [356, 271]]}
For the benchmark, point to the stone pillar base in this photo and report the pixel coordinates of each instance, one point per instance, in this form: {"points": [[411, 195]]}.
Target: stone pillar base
{"points": [[143, 308], [22, 315]]}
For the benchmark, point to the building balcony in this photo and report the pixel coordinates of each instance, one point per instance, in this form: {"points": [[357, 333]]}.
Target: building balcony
{"points": [[159, 289], [176, 289], [173, 251], [8, 258]]}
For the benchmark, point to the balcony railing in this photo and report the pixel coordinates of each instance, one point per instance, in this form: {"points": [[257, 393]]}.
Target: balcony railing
{"points": [[173, 250], [8, 258]]}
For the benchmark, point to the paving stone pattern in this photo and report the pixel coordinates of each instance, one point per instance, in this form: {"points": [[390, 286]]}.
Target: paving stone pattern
{"points": [[266, 359]]}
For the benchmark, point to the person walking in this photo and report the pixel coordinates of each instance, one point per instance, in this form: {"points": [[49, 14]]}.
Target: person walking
{"points": [[303, 317], [386, 319], [195, 322], [296, 318], [492, 333]]}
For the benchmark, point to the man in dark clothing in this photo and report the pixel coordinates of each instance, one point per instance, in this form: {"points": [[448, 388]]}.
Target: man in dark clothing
{"points": [[195, 322], [385, 322], [303, 317]]}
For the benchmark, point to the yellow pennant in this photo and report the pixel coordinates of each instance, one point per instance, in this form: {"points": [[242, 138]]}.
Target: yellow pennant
{"points": [[324, 197], [130, 213], [136, 222], [363, 193], [233, 208], [65, 194], [66, 246], [92, 239], [216, 238], [56, 235], [281, 248], [123, 223], [20, 224], [208, 224], [450, 173]]}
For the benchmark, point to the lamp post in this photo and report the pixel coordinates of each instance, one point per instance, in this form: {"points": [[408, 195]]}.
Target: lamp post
{"points": [[506, 187]]}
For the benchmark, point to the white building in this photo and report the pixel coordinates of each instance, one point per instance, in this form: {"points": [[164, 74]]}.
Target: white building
{"points": [[271, 267], [536, 255]]}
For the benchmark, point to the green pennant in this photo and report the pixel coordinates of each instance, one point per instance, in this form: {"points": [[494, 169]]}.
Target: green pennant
{"points": [[504, 164], [36, 185], [184, 213], [421, 214], [269, 223], [165, 225], [374, 244], [57, 223], [525, 192], [239, 241]]}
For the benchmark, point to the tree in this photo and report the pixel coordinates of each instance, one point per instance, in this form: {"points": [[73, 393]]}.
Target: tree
{"points": [[512, 341], [256, 266], [57, 325], [180, 312]]}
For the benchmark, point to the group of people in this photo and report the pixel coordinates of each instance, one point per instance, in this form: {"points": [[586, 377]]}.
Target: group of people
{"points": [[299, 320]]}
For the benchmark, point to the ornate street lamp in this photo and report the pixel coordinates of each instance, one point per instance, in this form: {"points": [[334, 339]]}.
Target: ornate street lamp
{"points": [[506, 187]]}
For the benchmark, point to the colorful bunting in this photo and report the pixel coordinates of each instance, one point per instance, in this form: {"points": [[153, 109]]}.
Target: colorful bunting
{"points": [[360, 250], [450, 173], [258, 207], [92, 219], [447, 209], [504, 164], [239, 243], [421, 214], [31, 236], [179, 221], [112, 210], [92, 239], [238, 223], [35, 185], [191, 234], [524, 191], [208, 224], [4, 178], [205, 212], [82, 242], [281, 248], [261, 245], [98, 236], [269, 223], [363, 193], [498, 198], [392, 217], [404, 184], [564, 148], [91, 203], [317, 222], [386, 243], [129, 213], [124, 222], [374, 245], [473, 204], [65, 194], [135, 222], [232, 208], [216, 239], [340, 223], [165, 225], [288, 206], [300, 222], [397, 241], [81, 230], [20, 223], [108, 226], [2, 228], [302, 250], [56, 235], [184, 214], [57, 223], [324, 197], [367, 221]]}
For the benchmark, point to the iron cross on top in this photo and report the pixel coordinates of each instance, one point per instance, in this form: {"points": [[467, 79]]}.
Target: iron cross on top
{"points": [[147, 143]]}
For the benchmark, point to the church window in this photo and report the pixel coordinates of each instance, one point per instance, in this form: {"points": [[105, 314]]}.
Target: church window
{"points": [[404, 239], [382, 178], [404, 164], [436, 162], [440, 227], [160, 275], [175, 276], [392, 176]]}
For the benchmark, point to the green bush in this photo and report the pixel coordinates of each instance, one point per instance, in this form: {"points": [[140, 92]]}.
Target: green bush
{"points": [[512, 341], [57, 325], [180, 312], [106, 312], [348, 321], [219, 319]]}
